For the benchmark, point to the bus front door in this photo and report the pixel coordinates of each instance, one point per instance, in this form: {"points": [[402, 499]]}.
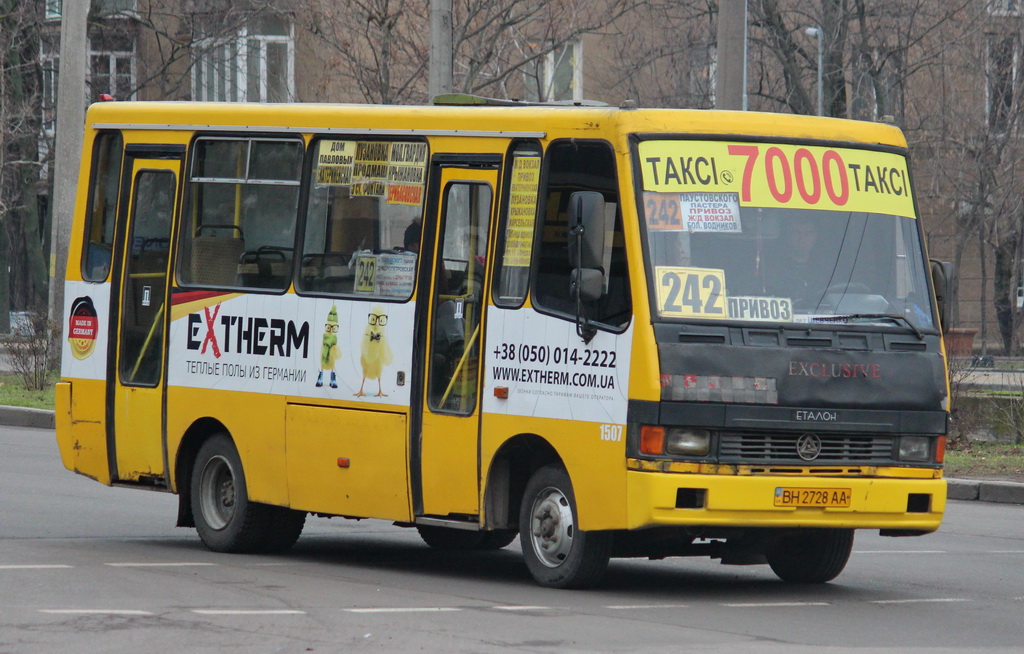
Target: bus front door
{"points": [[449, 442], [135, 424]]}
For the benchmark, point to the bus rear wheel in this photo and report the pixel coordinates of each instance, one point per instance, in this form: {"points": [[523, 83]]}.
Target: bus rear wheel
{"points": [[557, 553], [810, 556], [225, 518]]}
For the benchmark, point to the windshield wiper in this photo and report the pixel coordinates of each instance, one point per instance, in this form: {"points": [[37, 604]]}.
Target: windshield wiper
{"points": [[895, 317]]}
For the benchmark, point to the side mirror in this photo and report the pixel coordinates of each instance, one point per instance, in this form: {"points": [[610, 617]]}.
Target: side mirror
{"points": [[586, 246], [586, 229], [586, 283], [942, 282]]}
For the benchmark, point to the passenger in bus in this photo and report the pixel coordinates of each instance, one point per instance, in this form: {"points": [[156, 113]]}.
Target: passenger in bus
{"points": [[411, 240], [797, 274]]}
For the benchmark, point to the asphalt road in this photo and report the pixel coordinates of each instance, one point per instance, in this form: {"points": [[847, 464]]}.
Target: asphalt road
{"points": [[85, 568]]}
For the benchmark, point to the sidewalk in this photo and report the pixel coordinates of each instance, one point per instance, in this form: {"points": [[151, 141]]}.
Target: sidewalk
{"points": [[983, 490]]}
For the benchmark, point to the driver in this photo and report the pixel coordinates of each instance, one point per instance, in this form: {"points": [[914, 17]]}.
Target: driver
{"points": [[798, 271]]}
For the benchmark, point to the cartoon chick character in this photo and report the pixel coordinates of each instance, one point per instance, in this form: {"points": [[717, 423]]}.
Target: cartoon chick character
{"points": [[329, 351], [374, 351]]}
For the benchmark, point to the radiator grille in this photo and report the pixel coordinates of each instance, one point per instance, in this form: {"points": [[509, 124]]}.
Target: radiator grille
{"points": [[752, 447]]}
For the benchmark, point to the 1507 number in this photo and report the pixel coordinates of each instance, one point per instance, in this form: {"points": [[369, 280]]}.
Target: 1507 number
{"points": [[611, 433]]}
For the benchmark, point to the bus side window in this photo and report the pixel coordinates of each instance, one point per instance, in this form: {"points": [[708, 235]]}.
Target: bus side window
{"points": [[362, 231], [239, 225], [518, 219], [581, 166], [102, 212]]}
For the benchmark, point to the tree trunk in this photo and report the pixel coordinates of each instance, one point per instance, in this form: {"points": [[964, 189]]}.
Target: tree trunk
{"points": [[983, 294], [1004, 280], [834, 20], [5, 282]]}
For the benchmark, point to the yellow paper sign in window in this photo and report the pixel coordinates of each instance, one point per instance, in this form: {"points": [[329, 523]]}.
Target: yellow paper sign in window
{"points": [[366, 273], [522, 209], [691, 292]]}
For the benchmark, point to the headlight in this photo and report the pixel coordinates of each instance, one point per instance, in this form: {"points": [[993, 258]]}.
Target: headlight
{"points": [[915, 448], [688, 442]]}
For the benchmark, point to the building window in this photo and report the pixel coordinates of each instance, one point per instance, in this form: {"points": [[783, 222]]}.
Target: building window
{"points": [[563, 73], [256, 64], [1020, 289], [1002, 80], [1004, 7], [103, 8], [877, 85], [558, 75], [112, 69], [49, 56]]}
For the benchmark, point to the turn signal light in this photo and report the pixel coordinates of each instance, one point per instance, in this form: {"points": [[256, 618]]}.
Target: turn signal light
{"points": [[652, 440], [940, 449]]}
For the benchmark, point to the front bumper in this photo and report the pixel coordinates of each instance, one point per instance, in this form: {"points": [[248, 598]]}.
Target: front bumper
{"points": [[714, 500]]}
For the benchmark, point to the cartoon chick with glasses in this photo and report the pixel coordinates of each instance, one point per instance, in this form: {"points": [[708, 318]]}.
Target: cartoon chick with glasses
{"points": [[329, 351], [375, 353]]}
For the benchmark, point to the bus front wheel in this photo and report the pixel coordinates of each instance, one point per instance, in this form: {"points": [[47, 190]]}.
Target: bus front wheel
{"points": [[225, 518], [557, 553], [810, 556]]}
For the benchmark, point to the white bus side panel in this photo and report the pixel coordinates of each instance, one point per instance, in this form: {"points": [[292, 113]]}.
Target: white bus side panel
{"points": [[549, 372], [84, 350], [280, 345]]}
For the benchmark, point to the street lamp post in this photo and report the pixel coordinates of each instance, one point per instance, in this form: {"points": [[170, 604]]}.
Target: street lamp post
{"points": [[816, 33]]}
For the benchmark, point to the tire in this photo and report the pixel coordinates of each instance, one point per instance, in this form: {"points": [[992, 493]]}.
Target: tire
{"points": [[461, 540], [558, 554], [498, 539], [225, 518], [284, 529], [811, 556]]}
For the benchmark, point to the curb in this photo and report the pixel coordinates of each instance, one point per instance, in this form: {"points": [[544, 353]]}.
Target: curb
{"points": [[1005, 492], [16, 416]]}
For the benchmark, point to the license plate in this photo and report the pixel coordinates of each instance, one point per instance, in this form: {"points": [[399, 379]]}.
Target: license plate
{"points": [[826, 497]]}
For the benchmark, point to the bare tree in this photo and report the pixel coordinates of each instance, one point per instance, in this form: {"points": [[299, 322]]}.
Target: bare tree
{"points": [[23, 275], [376, 50]]}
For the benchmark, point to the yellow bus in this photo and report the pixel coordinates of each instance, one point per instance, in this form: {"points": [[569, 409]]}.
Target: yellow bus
{"points": [[608, 331]]}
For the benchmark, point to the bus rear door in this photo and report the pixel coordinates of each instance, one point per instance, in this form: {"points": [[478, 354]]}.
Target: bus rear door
{"points": [[136, 360]]}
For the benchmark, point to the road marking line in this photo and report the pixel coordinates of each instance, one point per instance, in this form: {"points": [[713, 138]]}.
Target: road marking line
{"points": [[521, 608], [922, 600], [629, 607], [1004, 552], [248, 612], [409, 609], [751, 605], [96, 611], [31, 566], [180, 564], [900, 552]]}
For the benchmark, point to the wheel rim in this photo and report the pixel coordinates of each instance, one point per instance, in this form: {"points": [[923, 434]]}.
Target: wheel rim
{"points": [[551, 527], [217, 492]]}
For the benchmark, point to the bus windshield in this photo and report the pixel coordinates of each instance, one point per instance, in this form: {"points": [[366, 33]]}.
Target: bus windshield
{"points": [[782, 234]]}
